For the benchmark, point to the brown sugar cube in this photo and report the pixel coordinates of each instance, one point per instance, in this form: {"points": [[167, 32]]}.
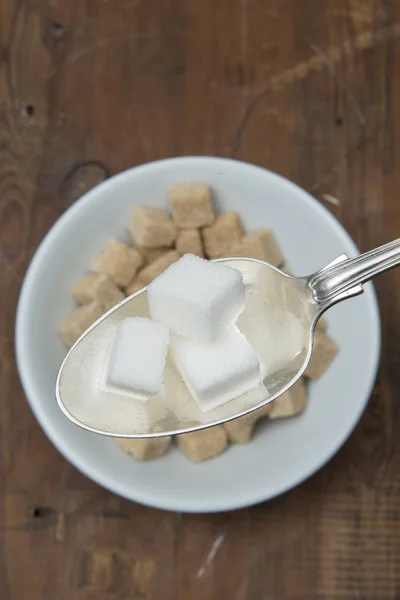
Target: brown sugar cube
{"points": [[119, 262], [151, 227], [240, 431], [201, 445], [324, 352], [96, 286], [147, 274], [188, 241], [222, 235], [78, 321], [151, 254], [87, 288], [145, 448], [136, 285], [191, 205], [259, 244], [110, 297], [291, 403]]}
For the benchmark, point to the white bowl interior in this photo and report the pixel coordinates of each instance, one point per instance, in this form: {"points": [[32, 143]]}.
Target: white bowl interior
{"points": [[282, 453]]}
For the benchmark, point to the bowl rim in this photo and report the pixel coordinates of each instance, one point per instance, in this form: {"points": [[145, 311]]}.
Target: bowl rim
{"points": [[67, 449]]}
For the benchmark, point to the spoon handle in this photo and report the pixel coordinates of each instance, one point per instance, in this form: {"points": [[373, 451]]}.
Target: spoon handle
{"points": [[334, 281]]}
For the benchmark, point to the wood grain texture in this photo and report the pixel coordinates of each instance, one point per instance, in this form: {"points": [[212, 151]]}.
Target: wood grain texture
{"points": [[308, 88]]}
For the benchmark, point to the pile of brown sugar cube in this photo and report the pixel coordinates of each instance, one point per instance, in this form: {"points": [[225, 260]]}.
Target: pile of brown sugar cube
{"points": [[160, 239]]}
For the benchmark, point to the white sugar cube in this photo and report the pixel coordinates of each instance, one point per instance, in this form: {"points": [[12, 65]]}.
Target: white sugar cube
{"points": [[138, 356], [216, 373], [197, 299]]}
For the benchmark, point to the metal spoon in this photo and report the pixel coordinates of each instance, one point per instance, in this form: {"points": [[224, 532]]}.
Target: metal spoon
{"points": [[279, 321]]}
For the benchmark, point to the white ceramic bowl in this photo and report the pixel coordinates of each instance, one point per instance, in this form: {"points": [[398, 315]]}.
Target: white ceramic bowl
{"points": [[283, 453]]}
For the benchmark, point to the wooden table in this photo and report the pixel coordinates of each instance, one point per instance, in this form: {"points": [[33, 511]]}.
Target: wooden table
{"points": [[308, 88]]}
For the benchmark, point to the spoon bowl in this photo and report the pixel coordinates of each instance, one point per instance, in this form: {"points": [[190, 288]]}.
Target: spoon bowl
{"points": [[278, 322]]}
